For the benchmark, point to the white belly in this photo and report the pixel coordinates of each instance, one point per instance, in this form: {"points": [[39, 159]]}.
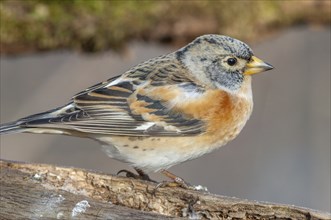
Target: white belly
{"points": [[147, 156]]}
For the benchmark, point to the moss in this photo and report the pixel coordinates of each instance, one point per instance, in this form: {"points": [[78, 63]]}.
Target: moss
{"points": [[90, 26]]}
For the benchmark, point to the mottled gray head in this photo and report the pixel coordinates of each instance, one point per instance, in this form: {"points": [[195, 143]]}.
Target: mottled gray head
{"points": [[221, 61]]}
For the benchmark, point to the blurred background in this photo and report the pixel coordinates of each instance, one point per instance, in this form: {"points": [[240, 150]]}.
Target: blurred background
{"points": [[50, 50]]}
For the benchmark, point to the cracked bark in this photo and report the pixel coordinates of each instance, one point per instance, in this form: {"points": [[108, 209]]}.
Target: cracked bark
{"points": [[45, 191]]}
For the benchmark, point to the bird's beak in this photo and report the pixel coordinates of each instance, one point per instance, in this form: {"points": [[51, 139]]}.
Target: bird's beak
{"points": [[255, 65]]}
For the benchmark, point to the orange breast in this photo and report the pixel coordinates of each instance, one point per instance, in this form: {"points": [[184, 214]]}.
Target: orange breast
{"points": [[223, 113]]}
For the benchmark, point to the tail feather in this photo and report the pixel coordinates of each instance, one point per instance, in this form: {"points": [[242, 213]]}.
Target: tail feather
{"points": [[38, 123], [11, 128]]}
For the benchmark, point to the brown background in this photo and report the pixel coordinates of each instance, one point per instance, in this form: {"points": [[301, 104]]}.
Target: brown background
{"points": [[282, 155]]}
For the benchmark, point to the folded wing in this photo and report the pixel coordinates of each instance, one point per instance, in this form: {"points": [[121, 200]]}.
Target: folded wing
{"points": [[120, 106]]}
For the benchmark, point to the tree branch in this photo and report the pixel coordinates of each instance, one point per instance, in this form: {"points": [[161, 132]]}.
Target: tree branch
{"points": [[39, 190]]}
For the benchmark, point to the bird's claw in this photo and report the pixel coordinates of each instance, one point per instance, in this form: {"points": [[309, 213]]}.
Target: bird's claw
{"points": [[141, 175], [128, 174]]}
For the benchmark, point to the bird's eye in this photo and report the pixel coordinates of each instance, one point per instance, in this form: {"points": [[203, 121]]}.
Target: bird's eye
{"points": [[231, 61]]}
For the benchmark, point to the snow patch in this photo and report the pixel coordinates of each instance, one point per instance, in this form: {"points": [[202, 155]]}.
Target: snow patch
{"points": [[80, 208]]}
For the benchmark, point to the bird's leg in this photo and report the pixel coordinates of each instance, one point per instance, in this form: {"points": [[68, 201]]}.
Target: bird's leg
{"points": [[141, 175], [176, 181]]}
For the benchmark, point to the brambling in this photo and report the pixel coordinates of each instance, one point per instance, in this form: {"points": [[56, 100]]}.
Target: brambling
{"points": [[164, 111]]}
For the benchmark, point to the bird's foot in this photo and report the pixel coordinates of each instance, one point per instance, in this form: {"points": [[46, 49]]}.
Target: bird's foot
{"points": [[177, 181], [141, 175]]}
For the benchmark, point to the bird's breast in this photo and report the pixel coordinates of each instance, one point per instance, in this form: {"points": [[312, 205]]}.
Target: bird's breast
{"points": [[224, 114]]}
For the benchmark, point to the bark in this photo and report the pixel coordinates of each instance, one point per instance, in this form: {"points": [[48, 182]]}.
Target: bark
{"points": [[45, 191]]}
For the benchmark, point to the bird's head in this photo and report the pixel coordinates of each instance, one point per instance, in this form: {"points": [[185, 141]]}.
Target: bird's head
{"points": [[221, 61]]}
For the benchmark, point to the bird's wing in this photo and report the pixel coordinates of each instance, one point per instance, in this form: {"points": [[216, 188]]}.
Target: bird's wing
{"points": [[139, 103]]}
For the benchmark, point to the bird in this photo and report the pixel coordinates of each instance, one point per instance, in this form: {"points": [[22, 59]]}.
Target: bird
{"points": [[164, 111]]}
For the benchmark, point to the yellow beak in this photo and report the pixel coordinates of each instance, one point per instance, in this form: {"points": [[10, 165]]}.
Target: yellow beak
{"points": [[255, 65]]}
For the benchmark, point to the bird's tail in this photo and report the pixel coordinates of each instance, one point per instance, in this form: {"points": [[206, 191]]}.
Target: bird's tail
{"points": [[38, 123], [11, 128]]}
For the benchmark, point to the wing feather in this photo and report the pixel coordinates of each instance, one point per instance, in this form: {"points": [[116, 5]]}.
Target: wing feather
{"points": [[119, 107]]}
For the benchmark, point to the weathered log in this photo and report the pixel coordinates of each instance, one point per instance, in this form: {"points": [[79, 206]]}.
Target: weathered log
{"points": [[45, 191]]}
